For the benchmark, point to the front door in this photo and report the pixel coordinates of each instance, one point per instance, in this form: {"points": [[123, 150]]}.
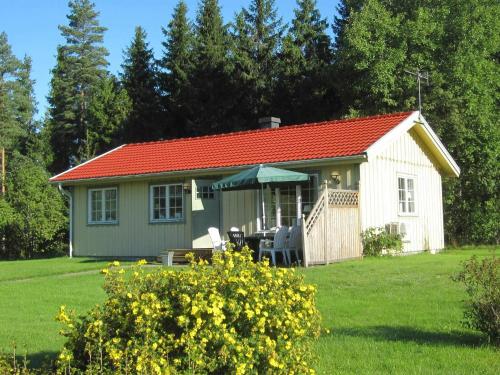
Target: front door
{"points": [[205, 212]]}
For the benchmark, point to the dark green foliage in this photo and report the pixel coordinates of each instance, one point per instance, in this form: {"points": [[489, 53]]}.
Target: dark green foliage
{"points": [[211, 97], [257, 33], [304, 89], [17, 105], [36, 211], [81, 64], [140, 80], [377, 241], [482, 282], [109, 108], [177, 65]]}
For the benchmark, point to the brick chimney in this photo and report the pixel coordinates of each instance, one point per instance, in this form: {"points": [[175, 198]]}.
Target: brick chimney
{"points": [[269, 122]]}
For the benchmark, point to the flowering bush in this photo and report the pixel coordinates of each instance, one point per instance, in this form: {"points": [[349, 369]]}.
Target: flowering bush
{"points": [[235, 316]]}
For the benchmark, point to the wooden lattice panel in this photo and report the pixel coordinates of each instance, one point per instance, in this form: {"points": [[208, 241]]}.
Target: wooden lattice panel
{"points": [[343, 198]]}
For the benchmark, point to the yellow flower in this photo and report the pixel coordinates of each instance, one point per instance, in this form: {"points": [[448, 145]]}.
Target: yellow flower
{"points": [[142, 262], [116, 263]]}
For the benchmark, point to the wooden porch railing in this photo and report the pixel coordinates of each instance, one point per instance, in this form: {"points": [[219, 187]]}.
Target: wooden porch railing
{"points": [[332, 230]]}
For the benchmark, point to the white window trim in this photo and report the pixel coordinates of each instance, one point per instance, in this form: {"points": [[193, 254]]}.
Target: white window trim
{"points": [[407, 176], [103, 207], [151, 204]]}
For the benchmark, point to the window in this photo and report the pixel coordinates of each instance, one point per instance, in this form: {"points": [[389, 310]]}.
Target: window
{"points": [[166, 202], [205, 192], [103, 206], [406, 190]]}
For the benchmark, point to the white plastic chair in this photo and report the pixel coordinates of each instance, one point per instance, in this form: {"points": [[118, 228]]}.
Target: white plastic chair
{"points": [[294, 243], [234, 229], [278, 245], [217, 242]]}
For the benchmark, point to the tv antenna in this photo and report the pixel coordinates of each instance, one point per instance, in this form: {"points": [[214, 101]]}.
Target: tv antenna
{"points": [[420, 76]]}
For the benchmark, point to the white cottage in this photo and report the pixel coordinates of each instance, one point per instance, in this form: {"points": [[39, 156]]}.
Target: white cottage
{"points": [[384, 171]]}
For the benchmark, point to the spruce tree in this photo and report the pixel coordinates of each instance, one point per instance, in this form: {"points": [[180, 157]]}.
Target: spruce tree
{"points": [[81, 63], [304, 89], [257, 34], [177, 69], [109, 108], [140, 80], [211, 97]]}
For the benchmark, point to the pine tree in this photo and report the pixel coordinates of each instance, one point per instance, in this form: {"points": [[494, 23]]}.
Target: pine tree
{"points": [[211, 96], [140, 80], [257, 33], [109, 108], [81, 63], [177, 69], [304, 90], [16, 99]]}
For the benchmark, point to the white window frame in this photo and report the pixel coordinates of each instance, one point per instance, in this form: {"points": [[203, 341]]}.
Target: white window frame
{"points": [[407, 177], [103, 206], [167, 219]]}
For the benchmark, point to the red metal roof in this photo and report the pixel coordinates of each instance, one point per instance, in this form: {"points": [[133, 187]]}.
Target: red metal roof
{"points": [[321, 140]]}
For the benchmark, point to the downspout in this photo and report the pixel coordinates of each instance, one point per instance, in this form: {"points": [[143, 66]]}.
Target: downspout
{"points": [[70, 198]]}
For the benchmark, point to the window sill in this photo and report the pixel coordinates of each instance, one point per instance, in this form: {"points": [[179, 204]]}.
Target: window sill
{"points": [[99, 223], [404, 214], [167, 221]]}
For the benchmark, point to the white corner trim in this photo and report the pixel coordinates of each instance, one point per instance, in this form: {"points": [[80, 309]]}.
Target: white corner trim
{"points": [[392, 135], [80, 165]]}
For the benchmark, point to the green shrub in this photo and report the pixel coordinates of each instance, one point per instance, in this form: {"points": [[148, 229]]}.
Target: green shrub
{"points": [[482, 283], [377, 241], [232, 317]]}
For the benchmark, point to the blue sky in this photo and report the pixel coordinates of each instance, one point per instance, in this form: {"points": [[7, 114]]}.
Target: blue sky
{"points": [[31, 26]]}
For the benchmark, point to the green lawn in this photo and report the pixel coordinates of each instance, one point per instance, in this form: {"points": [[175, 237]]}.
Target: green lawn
{"points": [[388, 315]]}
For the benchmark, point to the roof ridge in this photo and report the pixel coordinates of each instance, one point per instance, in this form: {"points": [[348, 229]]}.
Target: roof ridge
{"points": [[302, 125]]}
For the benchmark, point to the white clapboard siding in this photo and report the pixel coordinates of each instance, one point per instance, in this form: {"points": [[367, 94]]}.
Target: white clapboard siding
{"points": [[407, 155]]}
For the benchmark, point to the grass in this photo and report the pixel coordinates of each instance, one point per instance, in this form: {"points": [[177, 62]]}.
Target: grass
{"points": [[386, 315]]}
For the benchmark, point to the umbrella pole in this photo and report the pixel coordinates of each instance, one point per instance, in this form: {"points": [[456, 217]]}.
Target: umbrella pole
{"points": [[263, 208]]}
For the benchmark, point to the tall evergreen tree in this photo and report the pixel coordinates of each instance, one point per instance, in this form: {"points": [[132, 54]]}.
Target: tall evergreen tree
{"points": [[109, 108], [304, 89], [177, 68], [140, 80], [211, 95], [17, 103], [257, 34], [81, 63]]}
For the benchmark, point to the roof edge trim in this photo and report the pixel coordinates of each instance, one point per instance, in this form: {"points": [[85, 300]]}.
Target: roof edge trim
{"points": [[54, 178]]}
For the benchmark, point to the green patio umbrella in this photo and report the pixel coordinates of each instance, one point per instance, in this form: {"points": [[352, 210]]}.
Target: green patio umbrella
{"points": [[256, 177]]}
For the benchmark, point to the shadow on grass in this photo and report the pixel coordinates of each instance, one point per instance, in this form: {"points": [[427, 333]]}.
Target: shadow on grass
{"points": [[411, 334], [40, 359]]}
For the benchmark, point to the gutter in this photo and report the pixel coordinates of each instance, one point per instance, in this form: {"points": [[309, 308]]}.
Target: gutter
{"points": [[70, 198]]}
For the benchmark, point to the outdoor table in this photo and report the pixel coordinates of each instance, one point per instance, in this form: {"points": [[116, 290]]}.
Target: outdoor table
{"points": [[253, 240]]}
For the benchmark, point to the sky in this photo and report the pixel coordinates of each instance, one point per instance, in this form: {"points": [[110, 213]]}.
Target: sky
{"points": [[31, 27]]}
